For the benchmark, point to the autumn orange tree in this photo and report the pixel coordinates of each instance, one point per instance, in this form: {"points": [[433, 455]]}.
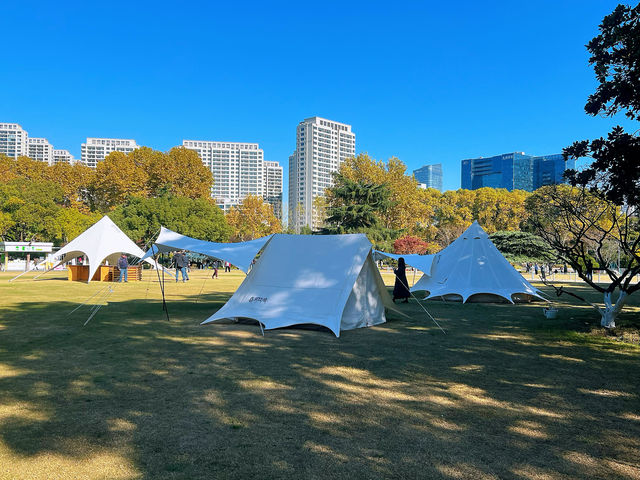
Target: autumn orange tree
{"points": [[252, 218]]}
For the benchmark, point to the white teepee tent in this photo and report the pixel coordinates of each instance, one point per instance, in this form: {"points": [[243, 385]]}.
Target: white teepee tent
{"points": [[327, 280], [472, 269]]}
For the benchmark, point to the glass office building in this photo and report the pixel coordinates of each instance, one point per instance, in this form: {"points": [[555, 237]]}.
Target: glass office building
{"points": [[514, 171], [430, 175]]}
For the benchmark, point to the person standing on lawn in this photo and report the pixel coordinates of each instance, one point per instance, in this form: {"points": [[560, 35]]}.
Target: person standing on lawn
{"points": [[180, 261], [401, 287], [123, 266]]}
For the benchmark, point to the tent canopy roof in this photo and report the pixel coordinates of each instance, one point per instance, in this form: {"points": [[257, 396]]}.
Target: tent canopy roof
{"points": [[239, 254]]}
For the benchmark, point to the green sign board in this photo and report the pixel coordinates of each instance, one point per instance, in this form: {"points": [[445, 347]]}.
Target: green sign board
{"points": [[26, 247]]}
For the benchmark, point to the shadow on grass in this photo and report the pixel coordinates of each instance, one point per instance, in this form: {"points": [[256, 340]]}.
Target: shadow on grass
{"points": [[504, 394]]}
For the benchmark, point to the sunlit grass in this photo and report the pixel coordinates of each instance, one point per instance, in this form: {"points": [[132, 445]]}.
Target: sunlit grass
{"points": [[505, 393]]}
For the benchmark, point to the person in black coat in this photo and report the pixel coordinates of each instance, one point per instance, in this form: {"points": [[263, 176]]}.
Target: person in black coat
{"points": [[401, 287]]}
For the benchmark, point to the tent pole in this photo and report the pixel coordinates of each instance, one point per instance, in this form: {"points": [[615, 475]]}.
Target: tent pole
{"points": [[164, 303]]}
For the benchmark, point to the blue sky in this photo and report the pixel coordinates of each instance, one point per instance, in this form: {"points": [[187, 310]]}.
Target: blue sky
{"points": [[427, 82]]}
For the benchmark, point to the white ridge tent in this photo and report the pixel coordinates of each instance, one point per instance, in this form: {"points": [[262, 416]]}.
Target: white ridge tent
{"points": [[239, 254], [472, 269], [102, 241], [327, 280]]}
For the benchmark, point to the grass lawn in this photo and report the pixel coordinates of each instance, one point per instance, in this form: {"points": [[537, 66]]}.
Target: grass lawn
{"points": [[505, 393]]}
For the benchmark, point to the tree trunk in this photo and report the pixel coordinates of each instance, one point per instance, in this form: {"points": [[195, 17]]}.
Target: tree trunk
{"points": [[611, 310]]}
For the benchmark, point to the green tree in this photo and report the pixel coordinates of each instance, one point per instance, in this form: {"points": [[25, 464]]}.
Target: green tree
{"points": [[31, 206], [70, 222], [355, 205], [141, 218], [519, 246], [410, 209]]}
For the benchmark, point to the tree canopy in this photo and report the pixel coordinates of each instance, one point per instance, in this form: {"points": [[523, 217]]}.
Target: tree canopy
{"points": [[355, 205], [140, 218], [601, 214], [519, 246], [253, 218]]}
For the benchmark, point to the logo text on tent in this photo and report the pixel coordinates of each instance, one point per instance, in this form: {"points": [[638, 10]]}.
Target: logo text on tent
{"points": [[258, 299]]}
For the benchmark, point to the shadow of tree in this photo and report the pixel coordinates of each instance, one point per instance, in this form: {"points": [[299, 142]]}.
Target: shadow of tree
{"points": [[504, 394]]}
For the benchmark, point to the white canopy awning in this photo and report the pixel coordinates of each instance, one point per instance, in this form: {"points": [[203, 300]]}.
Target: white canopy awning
{"points": [[421, 262], [240, 254]]}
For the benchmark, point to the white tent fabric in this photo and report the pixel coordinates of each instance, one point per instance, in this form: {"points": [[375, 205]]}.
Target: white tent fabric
{"points": [[421, 262], [102, 241], [327, 280], [472, 268], [240, 254]]}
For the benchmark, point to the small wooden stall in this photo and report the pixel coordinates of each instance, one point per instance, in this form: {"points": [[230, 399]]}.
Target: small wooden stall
{"points": [[105, 273]]}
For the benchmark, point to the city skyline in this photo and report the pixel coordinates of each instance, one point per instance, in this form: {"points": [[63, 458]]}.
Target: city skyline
{"points": [[95, 149], [439, 86]]}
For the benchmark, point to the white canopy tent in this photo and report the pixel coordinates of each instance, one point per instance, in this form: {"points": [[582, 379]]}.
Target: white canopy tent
{"points": [[240, 254], [103, 241], [472, 269], [327, 280]]}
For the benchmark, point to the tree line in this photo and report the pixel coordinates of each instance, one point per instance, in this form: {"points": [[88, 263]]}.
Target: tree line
{"points": [[140, 191]]}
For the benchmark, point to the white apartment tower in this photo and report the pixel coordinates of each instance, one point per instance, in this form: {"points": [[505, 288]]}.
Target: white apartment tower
{"points": [[96, 149], [321, 147], [63, 156], [40, 149], [238, 169], [13, 140], [273, 186]]}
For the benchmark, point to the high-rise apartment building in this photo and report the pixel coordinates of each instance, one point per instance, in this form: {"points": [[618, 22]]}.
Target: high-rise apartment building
{"points": [[238, 169], [273, 186], [321, 147], [40, 149], [63, 156], [430, 176], [514, 171], [13, 140], [96, 149]]}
